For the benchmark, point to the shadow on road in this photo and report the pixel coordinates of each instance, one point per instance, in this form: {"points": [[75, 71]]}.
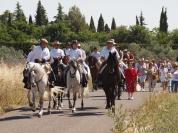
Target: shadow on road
{"points": [[15, 118], [81, 114]]}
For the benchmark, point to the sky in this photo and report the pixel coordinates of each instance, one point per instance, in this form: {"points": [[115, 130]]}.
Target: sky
{"points": [[124, 11]]}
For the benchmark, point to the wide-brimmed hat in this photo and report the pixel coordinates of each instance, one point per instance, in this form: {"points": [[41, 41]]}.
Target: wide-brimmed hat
{"points": [[56, 43], [111, 41], [79, 45], [44, 40], [74, 42]]}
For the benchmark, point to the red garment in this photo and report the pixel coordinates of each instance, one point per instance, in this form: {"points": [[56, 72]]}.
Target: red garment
{"points": [[131, 77]]}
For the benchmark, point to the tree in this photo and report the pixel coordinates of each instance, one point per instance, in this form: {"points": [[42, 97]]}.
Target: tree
{"points": [[142, 19], [92, 25], [113, 25], [9, 22], [137, 21], [19, 14], [6, 17], [60, 15], [163, 21], [30, 20], [106, 28], [41, 17], [100, 24], [76, 20]]}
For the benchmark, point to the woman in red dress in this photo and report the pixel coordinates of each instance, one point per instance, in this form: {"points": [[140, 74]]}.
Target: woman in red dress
{"points": [[131, 80]]}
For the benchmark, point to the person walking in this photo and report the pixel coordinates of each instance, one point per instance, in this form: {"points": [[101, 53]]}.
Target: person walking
{"points": [[163, 76], [131, 80]]}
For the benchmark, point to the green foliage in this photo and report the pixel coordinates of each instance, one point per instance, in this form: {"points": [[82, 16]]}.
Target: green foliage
{"points": [[100, 24], [19, 14], [113, 24], [92, 27], [60, 15], [76, 20], [41, 17], [106, 28], [142, 19], [137, 21], [139, 34]]}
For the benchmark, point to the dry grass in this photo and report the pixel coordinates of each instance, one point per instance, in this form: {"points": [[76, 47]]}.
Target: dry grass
{"points": [[158, 114], [11, 86]]}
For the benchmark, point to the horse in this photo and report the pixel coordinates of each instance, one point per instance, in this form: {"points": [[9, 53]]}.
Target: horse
{"points": [[110, 80], [59, 80], [94, 66], [38, 75], [74, 84]]}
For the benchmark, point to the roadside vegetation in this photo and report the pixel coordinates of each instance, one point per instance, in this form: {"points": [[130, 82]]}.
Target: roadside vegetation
{"points": [[159, 114]]}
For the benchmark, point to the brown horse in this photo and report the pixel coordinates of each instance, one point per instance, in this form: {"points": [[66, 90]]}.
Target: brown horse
{"points": [[94, 66]]}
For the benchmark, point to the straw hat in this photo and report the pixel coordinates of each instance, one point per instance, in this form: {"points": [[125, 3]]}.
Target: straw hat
{"points": [[111, 41], [44, 40]]}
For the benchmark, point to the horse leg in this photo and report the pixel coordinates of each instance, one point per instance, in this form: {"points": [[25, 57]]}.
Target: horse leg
{"points": [[49, 104], [59, 102], [61, 99], [113, 99], [68, 95], [41, 106], [29, 98], [33, 99], [54, 101], [74, 101], [107, 98]]}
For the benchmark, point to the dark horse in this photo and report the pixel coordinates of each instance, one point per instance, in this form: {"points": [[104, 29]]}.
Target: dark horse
{"points": [[94, 66], [110, 80], [57, 76]]}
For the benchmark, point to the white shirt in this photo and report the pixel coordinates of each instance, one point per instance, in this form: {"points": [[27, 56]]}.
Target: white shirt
{"points": [[83, 54], [163, 74], [56, 53], [66, 51], [105, 52], [75, 54], [175, 76], [96, 54], [38, 53]]}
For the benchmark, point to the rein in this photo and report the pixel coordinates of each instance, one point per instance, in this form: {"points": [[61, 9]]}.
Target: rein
{"points": [[72, 75]]}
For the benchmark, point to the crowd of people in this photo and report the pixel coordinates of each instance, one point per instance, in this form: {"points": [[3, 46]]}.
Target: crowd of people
{"points": [[133, 71]]}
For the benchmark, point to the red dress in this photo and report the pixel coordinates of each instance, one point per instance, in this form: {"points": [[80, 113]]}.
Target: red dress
{"points": [[131, 77]]}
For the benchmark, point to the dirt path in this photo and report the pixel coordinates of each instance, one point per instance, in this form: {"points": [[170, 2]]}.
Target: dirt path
{"points": [[93, 119]]}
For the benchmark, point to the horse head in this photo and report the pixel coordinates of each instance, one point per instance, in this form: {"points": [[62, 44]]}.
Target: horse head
{"points": [[112, 62]]}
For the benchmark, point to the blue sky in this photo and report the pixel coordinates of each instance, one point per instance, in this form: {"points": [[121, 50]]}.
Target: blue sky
{"points": [[124, 11]]}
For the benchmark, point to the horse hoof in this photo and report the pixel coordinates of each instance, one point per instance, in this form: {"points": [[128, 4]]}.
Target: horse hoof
{"points": [[39, 115], [33, 110], [70, 106], [73, 110], [49, 112], [31, 104], [59, 108]]}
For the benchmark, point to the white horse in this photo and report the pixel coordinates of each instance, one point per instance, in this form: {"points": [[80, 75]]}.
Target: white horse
{"points": [[39, 82], [74, 86]]}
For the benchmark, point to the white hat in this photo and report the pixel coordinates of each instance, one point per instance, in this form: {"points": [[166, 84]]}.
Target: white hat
{"points": [[79, 45], [57, 42], [111, 41]]}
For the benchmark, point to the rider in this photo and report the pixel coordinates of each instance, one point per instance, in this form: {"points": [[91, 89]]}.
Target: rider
{"points": [[56, 52], [67, 48], [96, 53], [40, 54], [110, 47], [79, 54]]}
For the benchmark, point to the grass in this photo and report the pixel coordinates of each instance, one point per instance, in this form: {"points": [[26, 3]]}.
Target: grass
{"points": [[11, 86], [159, 114]]}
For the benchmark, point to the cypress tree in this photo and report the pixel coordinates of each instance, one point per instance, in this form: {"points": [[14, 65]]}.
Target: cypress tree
{"points": [[92, 25], [137, 21], [163, 21], [113, 25], [9, 22], [142, 19], [106, 28], [30, 20], [100, 24], [41, 17], [60, 15], [19, 14]]}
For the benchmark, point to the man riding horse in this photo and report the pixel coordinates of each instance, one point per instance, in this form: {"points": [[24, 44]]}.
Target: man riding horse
{"points": [[39, 54]]}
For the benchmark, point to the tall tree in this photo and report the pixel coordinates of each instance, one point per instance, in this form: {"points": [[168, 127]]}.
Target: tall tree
{"points": [[163, 21], [142, 19], [6, 16], [113, 25], [19, 14], [41, 17], [106, 28], [60, 15], [137, 21], [76, 19], [92, 25], [9, 22], [30, 20], [100, 24]]}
